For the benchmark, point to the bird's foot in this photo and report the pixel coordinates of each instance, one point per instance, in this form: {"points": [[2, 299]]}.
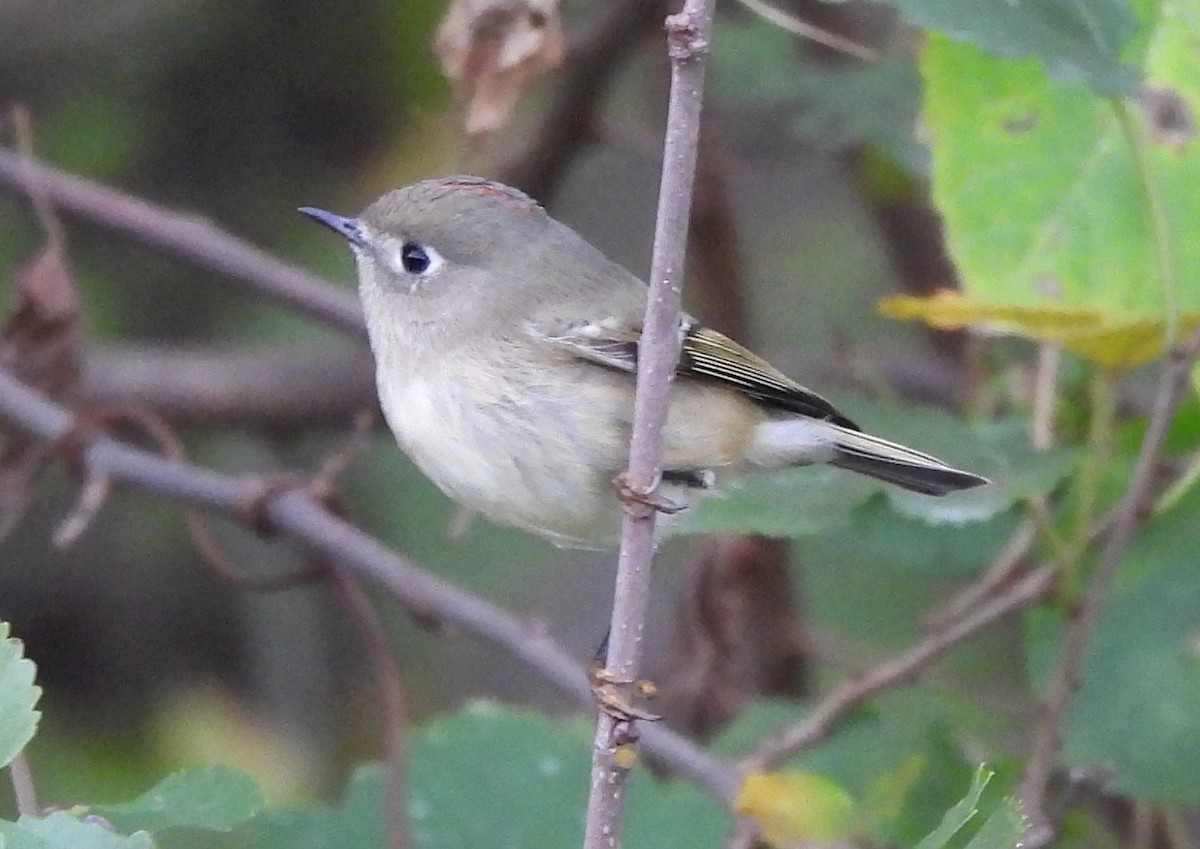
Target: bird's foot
{"points": [[615, 696], [631, 496]]}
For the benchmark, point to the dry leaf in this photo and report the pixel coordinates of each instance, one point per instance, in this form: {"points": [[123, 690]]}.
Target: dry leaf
{"points": [[42, 346], [492, 50], [1112, 340]]}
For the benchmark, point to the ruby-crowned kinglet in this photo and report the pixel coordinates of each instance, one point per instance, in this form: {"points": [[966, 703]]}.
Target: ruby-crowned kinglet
{"points": [[506, 347]]}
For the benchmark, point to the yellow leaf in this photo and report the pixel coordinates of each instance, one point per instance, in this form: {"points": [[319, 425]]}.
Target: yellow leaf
{"points": [[1110, 340], [796, 808]]}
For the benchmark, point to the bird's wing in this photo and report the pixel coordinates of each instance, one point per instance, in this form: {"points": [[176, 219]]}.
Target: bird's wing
{"points": [[704, 355]]}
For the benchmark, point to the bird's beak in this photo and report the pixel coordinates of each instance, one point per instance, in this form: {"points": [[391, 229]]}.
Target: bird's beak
{"points": [[349, 228]]}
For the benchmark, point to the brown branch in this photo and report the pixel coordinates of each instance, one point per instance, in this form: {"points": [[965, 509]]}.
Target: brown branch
{"points": [[23, 789], [903, 667], [1005, 564], [296, 514], [391, 698], [1130, 514], [275, 387], [689, 35], [190, 237]]}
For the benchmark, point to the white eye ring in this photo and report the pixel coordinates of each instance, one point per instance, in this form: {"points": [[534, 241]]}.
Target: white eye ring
{"points": [[414, 258]]}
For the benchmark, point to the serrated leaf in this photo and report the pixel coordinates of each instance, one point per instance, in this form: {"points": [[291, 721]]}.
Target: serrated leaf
{"points": [[792, 807], [1136, 706], [60, 830], [18, 697], [1072, 39], [1068, 215], [484, 776], [958, 816], [213, 797]]}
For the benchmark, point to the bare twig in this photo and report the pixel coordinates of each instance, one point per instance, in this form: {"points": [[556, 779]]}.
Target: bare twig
{"points": [[1045, 391], [1006, 563], [275, 387], [783, 20], [23, 790], [391, 698], [902, 667], [190, 237], [689, 34], [1129, 515], [297, 514]]}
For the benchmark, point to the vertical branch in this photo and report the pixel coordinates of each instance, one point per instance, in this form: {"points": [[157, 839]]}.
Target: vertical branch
{"points": [[688, 36], [391, 699], [23, 789]]}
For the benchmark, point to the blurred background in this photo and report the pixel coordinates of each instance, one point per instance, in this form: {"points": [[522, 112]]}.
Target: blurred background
{"points": [[811, 205]]}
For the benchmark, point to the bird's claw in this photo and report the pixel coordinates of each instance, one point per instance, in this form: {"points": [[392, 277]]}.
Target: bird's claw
{"points": [[630, 496], [615, 695]]}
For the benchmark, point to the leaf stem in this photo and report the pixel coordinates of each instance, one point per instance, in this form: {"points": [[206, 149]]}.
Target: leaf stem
{"points": [[1087, 489], [1159, 224]]}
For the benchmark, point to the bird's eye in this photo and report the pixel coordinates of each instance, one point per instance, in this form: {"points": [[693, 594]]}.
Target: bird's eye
{"points": [[414, 258], [410, 259]]}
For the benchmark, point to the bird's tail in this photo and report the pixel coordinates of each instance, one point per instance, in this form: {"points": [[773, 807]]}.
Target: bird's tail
{"points": [[860, 452]]}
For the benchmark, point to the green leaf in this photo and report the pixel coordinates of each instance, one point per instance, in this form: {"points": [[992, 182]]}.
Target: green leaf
{"points": [[211, 797], [791, 503], [958, 816], [18, 697], [60, 830], [1068, 216], [1072, 39], [485, 776], [879, 538], [1136, 707], [525, 780]]}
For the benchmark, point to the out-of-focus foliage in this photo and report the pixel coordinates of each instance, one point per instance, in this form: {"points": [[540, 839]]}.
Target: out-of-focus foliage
{"points": [[1136, 710], [1069, 214]]}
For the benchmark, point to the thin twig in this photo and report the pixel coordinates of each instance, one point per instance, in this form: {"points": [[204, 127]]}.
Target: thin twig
{"points": [[391, 698], [23, 130], [1012, 555], [1006, 563], [187, 236], [1045, 391], [783, 20], [819, 724], [1047, 737], [23, 789], [296, 514], [689, 35], [277, 386]]}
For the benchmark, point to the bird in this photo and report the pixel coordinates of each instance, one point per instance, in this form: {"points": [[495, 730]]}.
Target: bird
{"points": [[506, 349]]}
